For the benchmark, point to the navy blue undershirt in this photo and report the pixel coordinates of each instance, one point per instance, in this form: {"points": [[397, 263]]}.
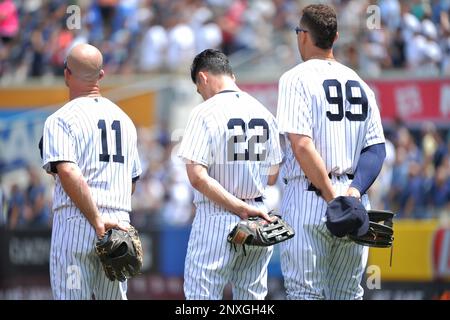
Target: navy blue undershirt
{"points": [[369, 166]]}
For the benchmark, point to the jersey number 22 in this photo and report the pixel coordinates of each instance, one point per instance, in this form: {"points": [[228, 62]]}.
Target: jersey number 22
{"points": [[250, 149]]}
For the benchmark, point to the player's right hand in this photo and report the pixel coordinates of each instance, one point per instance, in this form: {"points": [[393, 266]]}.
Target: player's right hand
{"points": [[105, 224], [353, 192], [251, 211]]}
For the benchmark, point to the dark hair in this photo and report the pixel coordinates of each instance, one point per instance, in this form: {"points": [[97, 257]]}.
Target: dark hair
{"points": [[210, 60], [321, 22]]}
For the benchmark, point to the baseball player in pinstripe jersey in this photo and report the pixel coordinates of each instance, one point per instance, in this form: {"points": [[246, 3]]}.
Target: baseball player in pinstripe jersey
{"points": [[232, 150], [334, 146], [89, 145]]}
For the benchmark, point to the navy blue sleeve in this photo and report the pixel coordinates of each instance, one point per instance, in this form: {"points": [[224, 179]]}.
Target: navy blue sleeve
{"points": [[368, 167], [41, 146]]}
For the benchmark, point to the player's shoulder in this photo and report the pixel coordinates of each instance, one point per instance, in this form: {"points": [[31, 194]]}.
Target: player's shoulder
{"points": [[347, 71], [301, 73], [314, 66], [66, 113], [256, 104], [111, 106], [294, 72], [205, 108], [351, 74], [199, 110]]}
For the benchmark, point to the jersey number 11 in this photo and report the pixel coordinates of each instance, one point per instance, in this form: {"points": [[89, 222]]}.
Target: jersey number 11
{"points": [[104, 156]]}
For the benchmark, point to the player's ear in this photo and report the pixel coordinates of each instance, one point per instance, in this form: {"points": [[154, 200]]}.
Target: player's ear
{"points": [[233, 77], [337, 37], [202, 77], [66, 77], [101, 74], [304, 36], [67, 73]]}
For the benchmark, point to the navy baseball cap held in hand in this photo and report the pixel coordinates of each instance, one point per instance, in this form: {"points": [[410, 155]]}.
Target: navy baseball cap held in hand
{"points": [[347, 215]]}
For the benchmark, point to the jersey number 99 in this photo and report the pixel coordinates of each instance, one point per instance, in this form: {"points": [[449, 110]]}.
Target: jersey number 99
{"points": [[339, 101]]}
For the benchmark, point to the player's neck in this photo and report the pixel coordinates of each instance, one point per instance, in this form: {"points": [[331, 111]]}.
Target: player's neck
{"points": [[88, 92], [324, 55], [226, 84]]}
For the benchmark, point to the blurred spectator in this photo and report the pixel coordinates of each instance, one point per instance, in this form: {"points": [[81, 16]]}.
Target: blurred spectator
{"points": [[441, 155], [399, 180], [416, 49], [3, 218], [429, 146], [9, 20], [153, 47], [38, 52], [390, 13], [420, 177], [375, 52], [379, 191], [257, 25], [419, 8], [432, 51], [397, 49], [414, 196], [60, 42], [230, 23], [407, 159], [178, 208], [107, 11], [163, 193], [439, 194], [9, 27], [16, 208], [28, 208], [38, 210], [206, 30], [150, 191], [409, 23], [181, 45]]}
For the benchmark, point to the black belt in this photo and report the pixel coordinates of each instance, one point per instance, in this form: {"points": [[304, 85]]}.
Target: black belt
{"points": [[258, 199], [311, 187], [349, 175]]}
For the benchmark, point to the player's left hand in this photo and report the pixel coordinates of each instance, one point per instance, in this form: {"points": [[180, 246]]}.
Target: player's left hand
{"points": [[353, 192]]}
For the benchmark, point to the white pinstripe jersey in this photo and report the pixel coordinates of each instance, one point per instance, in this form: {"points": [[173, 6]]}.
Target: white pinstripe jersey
{"points": [[101, 139], [328, 102], [237, 139]]}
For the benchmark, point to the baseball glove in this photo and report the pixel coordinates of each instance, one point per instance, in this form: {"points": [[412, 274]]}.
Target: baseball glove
{"points": [[380, 233], [120, 253], [256, 231]]}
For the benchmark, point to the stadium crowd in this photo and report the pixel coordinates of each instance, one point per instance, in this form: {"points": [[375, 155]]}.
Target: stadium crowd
{"points": [[139, 36]]}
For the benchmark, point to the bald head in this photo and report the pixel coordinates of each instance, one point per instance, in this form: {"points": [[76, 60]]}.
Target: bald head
{"points": [[85, 62]]}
